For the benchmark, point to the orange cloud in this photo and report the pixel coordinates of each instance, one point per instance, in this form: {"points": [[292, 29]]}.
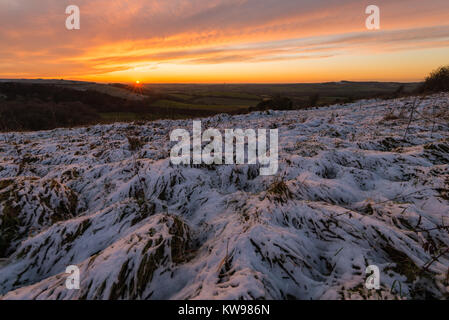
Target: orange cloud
{"points": [[217, 40]]}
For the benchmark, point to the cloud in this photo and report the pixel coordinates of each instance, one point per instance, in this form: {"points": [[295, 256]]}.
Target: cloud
{"points": [[122, 34]]}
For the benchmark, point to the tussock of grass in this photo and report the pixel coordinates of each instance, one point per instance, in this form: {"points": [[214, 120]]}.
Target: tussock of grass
{"points": [[280, 191], [135, 143]]}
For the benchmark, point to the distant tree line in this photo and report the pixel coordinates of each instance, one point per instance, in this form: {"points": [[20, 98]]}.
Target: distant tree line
{"points": [[276, 103], [98, 101], [38, 115], [44, 107]]}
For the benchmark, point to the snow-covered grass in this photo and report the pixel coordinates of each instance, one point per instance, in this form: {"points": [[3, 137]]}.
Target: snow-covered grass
{"points": [[350, 192]]}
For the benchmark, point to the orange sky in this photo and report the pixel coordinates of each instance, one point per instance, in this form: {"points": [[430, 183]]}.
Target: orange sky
{"points": [[223, 40]]}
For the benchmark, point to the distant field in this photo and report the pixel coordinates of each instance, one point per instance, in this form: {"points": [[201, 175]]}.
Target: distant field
{"points": [[227, 101], [120, 116], [110, 117], [203, 107], [227, 97]]}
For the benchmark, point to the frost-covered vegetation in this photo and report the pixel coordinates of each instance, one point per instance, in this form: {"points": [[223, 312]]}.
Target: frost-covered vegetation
{"points": [[359, 184]]}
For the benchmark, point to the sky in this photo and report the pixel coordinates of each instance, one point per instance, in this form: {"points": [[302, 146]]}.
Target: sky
{"points": [[223, 41]]}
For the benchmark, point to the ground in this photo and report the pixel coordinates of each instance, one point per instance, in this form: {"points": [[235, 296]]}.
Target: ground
{"points": [[355, 187]]}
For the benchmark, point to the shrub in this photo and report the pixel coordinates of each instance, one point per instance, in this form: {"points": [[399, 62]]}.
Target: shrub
{"points": [[276, 103], [437, 81]]}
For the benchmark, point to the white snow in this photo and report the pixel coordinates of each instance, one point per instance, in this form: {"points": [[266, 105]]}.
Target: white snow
{"points": [[350, 192]]}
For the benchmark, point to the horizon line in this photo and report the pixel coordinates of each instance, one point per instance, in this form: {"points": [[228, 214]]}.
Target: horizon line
{"points": [[209, 83]]}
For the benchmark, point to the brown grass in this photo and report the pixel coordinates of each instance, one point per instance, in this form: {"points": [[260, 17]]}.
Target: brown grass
{"points": [[135, 143]]}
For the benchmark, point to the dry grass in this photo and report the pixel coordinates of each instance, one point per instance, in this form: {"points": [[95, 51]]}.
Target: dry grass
{"points": [[280, 191], [135, 143], [390, 116]]}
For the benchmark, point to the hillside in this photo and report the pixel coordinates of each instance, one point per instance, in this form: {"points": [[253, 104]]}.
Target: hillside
{"points": [[350, 192]]}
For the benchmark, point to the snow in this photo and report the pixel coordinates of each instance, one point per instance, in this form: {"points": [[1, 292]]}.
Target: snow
{"points": [[350, 192]]}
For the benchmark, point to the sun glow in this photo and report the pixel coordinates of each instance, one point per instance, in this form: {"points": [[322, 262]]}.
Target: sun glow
{"points": [[137, 87]]}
